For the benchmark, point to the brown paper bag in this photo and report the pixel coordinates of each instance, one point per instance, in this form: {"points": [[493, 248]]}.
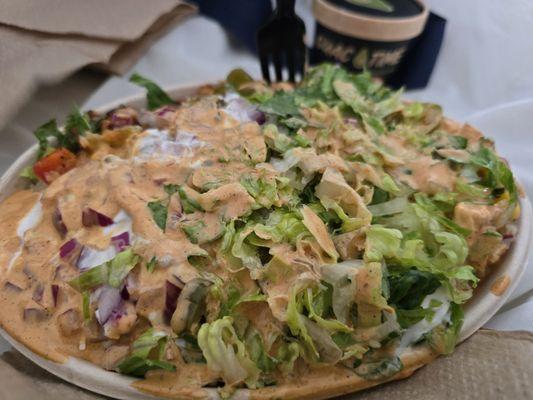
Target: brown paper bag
{"points": [[45, 41]]}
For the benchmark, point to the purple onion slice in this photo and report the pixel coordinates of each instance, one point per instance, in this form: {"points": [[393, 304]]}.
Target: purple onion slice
{"points": [[164, 110], [34, 314], [121, 241], [91, 217], [171, 298], [124, 293], [55, 293], [68, 248], [108, 301], [13, 287], [258, 117], [118, 121], [57, 221], [38, 293]]}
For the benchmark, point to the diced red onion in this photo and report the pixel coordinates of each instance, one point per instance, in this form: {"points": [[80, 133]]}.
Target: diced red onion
{"points": [[508, 236], [116, 315], [70, 322], [351, 121], [91, 217], [55, 293], [171, 298], [108, 301], [57, 273], [28, 272], [121, 241], [124, 293], [38, 292], [57, 221], [34, 314], [118, 121], [164, 110], [12, 286], [258, 117], [68, 248]]}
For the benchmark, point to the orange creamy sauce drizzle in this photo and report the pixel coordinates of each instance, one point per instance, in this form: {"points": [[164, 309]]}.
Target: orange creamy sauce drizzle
{"points": [[500, 285], [110, 184]]}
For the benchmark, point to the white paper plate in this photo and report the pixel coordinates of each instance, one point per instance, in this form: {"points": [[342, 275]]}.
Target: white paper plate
{"points": [[511, 127], [84, 374]]}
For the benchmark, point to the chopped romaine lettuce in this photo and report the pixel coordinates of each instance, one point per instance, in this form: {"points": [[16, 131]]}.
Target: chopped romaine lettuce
{"points": [[226, 353], [112, 272], [141, 359]]}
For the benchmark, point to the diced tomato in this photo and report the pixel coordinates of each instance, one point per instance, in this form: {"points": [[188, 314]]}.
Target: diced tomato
{"points": [[55, 164]]}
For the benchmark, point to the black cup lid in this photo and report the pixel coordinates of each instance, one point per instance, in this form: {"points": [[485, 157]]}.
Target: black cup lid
{"points": [[380, 8]]}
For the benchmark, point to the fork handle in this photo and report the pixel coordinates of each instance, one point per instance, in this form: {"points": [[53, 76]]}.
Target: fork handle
{"points": [[285, 8]]}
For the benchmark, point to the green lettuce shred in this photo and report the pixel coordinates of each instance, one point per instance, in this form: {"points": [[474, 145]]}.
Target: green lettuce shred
{"points": [[226, 353], [147, 354]]}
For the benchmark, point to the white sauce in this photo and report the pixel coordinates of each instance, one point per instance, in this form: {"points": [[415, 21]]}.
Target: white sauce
{"points": [[442, 314], [30, 221], [161, 143]]}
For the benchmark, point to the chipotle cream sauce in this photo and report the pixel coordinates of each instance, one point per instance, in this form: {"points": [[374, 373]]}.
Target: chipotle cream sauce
{"points": [[199, 153], [118, 174]]}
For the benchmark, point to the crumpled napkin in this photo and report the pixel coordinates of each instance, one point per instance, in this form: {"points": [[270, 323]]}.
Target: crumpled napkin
{"points": [[45, 41], [479, 369]]}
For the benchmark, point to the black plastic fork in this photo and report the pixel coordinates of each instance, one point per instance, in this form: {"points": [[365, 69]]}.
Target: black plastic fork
{"points": [[281, 42]]}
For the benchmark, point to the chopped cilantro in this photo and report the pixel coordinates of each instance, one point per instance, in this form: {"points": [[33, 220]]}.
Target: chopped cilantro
{"points": [[155, 96], [458, 142], [150, 265], [44, 134], [188, 204], [193, 230], [159, 213], [171, 188]]}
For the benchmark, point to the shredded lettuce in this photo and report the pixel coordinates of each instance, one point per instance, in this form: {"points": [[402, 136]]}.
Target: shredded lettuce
{"points": [[268, 192], [444, 337], [112, 272], [147, 354], [313, 329], [422, 242], [343, 279], [90, 279], [287, 355], [390, 207], [120, 266], [226, 353], [256, 348], [382, 243], [497, 174]]}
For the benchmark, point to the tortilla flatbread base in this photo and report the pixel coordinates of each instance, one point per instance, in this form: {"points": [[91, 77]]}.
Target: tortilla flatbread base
{"points": [[321, 383]]}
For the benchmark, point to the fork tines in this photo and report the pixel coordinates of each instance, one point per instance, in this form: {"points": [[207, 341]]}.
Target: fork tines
{"points": [[281, 43]]}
